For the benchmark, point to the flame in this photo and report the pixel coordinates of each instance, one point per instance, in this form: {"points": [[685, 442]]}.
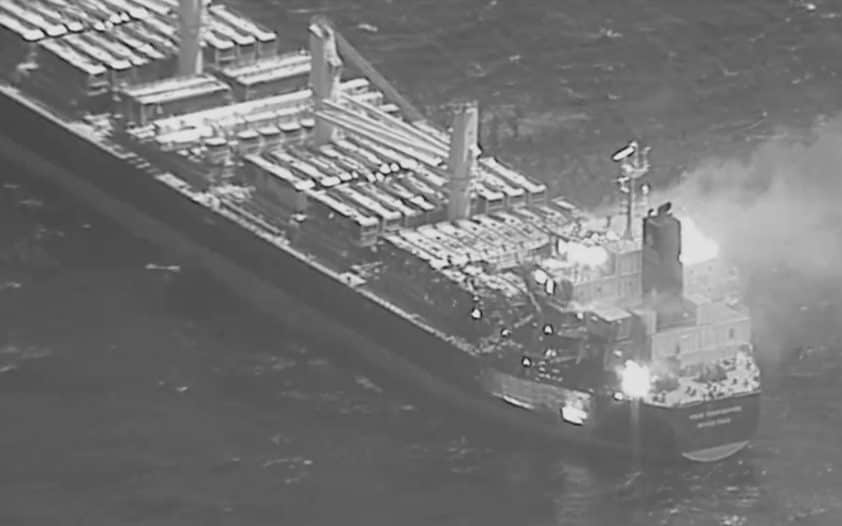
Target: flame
{"points": [[635, 380], [696, 246], [589, 256]]}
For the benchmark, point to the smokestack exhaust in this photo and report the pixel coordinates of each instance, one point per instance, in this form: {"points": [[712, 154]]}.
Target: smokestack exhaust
{"points": [[191, 15], [463, 155]]}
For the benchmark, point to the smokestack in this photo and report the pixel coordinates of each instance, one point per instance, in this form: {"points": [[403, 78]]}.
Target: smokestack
{"points": [[662, 271], [463, 154], [325, 70], [190, 17]]}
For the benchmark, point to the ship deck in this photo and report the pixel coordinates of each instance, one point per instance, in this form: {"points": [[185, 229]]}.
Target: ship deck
{"points": [[367, 208]]}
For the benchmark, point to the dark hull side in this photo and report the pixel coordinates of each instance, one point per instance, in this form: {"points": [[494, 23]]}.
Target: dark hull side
{"points": [[703, 432], [302, 281], [279, 282], [715, 429]]}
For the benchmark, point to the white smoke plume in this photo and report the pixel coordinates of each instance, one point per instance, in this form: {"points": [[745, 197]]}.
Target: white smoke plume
{"points": [[779, 207], [777, 214]]}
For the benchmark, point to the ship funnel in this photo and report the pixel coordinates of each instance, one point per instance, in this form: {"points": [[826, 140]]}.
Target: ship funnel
{"points": [[325, 71], [662, 272], [191, 18], [463, 155]]}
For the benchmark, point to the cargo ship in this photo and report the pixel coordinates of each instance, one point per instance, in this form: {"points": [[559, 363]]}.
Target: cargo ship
{"points": [[306, 183]]}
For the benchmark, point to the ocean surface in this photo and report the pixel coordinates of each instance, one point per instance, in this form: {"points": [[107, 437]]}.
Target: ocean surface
{"points": [[149, 396]]}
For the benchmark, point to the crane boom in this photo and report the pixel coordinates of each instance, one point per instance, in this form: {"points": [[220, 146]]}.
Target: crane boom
{"points": [[349, 53]]}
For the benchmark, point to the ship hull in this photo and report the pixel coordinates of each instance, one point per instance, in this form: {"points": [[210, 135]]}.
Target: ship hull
{"points": [[702, 432], [705, 432], [713, 430], [280, 283]]}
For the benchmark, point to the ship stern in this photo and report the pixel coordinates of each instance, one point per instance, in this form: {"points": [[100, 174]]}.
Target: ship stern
{"points": [[711, 430]]}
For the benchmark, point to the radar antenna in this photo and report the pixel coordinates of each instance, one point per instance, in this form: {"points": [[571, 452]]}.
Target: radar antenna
{"points": [[634, 164]]}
